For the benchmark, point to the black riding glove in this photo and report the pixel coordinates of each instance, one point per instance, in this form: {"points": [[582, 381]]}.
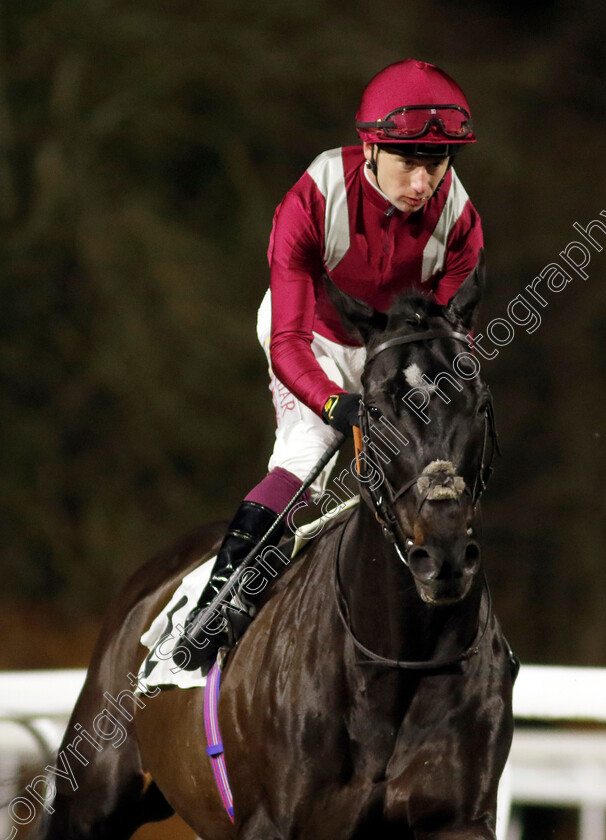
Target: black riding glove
{"points": [[341, 412]]}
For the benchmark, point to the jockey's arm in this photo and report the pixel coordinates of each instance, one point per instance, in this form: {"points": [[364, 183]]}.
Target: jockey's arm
{"points": [[295, 258], [463, 247]]}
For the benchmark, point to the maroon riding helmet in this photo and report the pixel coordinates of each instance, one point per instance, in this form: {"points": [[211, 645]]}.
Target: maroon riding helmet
{"points": [[415, 104]]}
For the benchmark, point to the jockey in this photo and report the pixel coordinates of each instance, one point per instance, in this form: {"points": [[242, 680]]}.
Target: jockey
{"points": [[378, 219]]}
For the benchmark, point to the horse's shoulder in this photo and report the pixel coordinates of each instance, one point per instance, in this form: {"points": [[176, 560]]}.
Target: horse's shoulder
{"points": [[311, 554]]}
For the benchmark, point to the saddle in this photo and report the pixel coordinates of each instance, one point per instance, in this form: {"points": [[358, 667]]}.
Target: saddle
{"points": [[158, 667]]}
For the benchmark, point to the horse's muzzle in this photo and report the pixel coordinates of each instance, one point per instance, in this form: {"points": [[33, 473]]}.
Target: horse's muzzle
{"points": [[441, 575]]}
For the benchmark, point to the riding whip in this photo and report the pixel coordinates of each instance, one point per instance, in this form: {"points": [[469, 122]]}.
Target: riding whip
{"points": [[226, 591]]}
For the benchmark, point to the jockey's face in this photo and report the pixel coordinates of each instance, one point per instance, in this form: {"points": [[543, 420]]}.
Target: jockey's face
{"points": [[408, 182]]}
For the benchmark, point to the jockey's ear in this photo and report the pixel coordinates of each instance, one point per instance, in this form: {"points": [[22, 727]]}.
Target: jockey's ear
{"points": [[462, 308], [357, 317]]}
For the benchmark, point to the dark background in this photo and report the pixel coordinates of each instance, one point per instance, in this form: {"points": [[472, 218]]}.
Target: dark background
{"points": [[143, 148]]}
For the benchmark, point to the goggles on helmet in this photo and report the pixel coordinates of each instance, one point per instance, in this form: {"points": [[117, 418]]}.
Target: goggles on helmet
{"points": [[412, 121]]}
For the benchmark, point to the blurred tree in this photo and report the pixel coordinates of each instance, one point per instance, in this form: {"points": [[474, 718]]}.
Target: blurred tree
{"points": [[143, 148]]}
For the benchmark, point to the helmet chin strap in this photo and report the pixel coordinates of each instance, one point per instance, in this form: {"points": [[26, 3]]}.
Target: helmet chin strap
{"points": [[373, 165], [437, 189]]}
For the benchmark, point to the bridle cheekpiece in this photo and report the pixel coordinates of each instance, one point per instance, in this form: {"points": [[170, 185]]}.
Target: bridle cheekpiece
{"points": [[438, 480]]}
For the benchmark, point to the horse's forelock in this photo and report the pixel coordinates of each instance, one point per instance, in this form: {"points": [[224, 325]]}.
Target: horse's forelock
{"points": [[408, 365]]}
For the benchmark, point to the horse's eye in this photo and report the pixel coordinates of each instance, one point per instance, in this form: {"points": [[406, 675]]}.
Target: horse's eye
{"points": [[374, 412]]}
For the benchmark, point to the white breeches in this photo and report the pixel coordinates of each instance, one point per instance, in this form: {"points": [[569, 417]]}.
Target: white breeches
{"points": [[301, 436]]}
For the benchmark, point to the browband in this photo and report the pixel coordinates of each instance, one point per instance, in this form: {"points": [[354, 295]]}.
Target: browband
{"points": [[420, 336]]}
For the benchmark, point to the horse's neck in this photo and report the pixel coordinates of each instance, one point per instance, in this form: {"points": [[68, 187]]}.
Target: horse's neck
{"points": [[387, 614]]}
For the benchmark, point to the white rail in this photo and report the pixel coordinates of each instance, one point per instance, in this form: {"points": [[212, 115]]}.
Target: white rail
{"points": [[551, 692], [560, 766], [563, 766]]}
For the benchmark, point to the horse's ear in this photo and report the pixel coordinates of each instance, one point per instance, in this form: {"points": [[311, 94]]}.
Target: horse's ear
{"points": [[357, 317], [462, 308]]}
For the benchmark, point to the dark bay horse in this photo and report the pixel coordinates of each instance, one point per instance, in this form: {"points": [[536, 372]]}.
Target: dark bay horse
{"points": [[371, 696]]}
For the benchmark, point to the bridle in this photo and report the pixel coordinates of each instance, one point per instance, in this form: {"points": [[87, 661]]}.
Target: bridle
{"points": [[386, 517], [384, 496]]}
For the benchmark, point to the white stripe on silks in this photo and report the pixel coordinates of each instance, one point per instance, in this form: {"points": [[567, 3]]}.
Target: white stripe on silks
{"points": [[435, 250], [328, 175]]}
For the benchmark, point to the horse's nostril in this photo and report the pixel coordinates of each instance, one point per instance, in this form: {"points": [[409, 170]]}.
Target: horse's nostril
{"points": [[472, 557], [422, 564]]}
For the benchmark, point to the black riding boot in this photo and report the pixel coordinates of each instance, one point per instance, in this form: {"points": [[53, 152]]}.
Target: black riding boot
{"points": [[244, 532]]}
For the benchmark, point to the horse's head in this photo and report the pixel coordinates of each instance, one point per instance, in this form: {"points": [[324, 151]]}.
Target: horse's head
{"points": [[428, 433]]}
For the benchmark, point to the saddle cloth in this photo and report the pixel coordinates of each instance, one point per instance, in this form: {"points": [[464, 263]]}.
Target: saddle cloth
{"points": [[158, 667]]}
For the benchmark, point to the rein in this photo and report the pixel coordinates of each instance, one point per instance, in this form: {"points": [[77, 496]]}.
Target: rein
{"points": [[375, 658]]}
